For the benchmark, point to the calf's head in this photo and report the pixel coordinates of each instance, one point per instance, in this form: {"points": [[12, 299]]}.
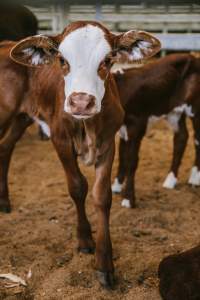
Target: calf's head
{"points": [[86, 51]]}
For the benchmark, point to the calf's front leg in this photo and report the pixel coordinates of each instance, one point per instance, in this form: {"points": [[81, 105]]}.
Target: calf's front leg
{"points": [[78, 188], [103, 198], [179, 143]]}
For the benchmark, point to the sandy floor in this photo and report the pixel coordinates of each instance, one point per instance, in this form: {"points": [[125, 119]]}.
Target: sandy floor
{"points": [[39, 235]]}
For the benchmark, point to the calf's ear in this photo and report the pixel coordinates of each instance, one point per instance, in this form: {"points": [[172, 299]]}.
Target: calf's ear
{"points": [[35, 51], [136, 45]]}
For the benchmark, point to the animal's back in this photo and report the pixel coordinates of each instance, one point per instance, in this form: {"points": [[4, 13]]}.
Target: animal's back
{"points": [[148, 90]]}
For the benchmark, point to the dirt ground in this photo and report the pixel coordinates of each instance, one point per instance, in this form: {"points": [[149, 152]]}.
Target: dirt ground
{"points": [[39, 236]]}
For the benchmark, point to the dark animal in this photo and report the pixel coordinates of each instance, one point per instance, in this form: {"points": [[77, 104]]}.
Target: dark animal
{"points": [[16, 22], [170, 88], [76, 94], [180, 276]]}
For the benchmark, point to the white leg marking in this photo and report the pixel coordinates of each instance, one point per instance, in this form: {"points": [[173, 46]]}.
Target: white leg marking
{"points": [[194, 178], [117, 186], [123, 133], [170, 182], [126, 203], [196, 142], [44, 126]]}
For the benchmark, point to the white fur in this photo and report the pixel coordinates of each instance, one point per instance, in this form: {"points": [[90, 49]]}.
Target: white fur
{"points": [[196, 142], [170, 182], [116, 186], [173, 117], [136, 54], [36, 58], [44, 126], [187, 109], [126, 203], [141, 50], [123, 133], [84, 49], [194, 178], [28, 51]]}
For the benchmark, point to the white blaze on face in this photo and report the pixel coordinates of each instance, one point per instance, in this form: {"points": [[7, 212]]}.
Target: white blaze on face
{"points": [[84, 49]]}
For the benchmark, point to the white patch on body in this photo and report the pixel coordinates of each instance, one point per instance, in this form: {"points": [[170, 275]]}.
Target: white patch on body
{"points": [[123, 133], [45, 128], [173, 117], [170, 182], [84, 49], [194, 178], [126, 203], [116, 186], [196, 142]]}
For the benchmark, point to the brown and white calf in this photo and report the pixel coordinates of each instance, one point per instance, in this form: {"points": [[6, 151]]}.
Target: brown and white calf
{"points": [[72, 88], [169, 88]]}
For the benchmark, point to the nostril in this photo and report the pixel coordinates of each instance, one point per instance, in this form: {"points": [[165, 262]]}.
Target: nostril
{"points": [[91, 102]]}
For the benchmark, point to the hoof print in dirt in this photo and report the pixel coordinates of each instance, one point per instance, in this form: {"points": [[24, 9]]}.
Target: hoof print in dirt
{"points": [[180, 276], [88, 250], [106, 279], [5, 207]]}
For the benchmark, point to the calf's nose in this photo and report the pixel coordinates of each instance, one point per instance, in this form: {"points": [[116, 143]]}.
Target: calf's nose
{"points": [[81, 103]]}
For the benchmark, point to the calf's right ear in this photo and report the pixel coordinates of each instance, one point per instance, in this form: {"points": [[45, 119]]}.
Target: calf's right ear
{"points": [[35, 51]]}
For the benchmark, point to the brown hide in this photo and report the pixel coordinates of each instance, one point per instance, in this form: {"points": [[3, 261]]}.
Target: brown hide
{"points": [[156, 89]]}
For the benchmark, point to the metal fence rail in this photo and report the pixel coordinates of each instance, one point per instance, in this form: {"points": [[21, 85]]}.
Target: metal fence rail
{"points": [[173, 23]]}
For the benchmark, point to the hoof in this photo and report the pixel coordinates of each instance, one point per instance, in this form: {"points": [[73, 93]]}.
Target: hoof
{"points": [[5, 207], [106, 279], [88, 250]]}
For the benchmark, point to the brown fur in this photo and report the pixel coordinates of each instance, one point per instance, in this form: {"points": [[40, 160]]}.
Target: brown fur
{"points": [[27, 92], [155, 89], [40, 91], [180, 276]]}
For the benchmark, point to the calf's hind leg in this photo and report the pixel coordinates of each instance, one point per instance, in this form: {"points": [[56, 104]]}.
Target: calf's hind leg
{"points": [[7, 144], [121, 172], [180, 142], [129, 158], [78, 188], [194, 178]]}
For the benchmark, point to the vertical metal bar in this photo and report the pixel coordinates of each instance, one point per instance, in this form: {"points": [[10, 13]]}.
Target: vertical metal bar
{"points": [[98, 15]]}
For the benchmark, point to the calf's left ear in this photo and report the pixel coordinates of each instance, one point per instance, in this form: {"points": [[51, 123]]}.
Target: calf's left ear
{"points": [[136, 45], [35, 51]]}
